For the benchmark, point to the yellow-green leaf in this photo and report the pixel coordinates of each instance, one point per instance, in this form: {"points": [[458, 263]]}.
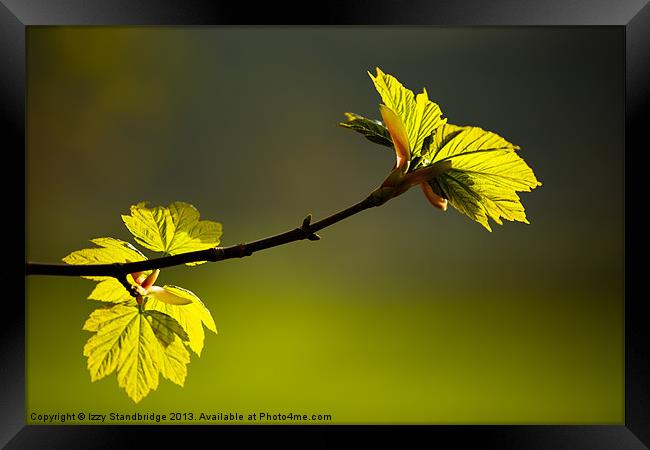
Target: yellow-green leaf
{"points": [[191, 233], [174, 360], [199, 307], [485, 175], [191, 317], [110, 290], [103, 349], [152, 227], [110, 251], [419, 115], [373, 130], [165, 327], [173, 229], [187, 317], [174, 357], [137, 345], [139, 359]]}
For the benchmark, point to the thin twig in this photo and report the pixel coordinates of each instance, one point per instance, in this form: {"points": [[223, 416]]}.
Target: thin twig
{"points": [[307, 230]]}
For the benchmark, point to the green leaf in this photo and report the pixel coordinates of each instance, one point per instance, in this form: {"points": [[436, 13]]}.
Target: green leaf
{"points": [[103, 316], [124, 342], [110, 251], [137, 345], [373, 130], [174, 360], [174, 229], [174, 357], [152, 227], [103, 349], [197, 305], [485, 175], [419, 115], [192, 317], [165, 328], [191, 233], [110, 290]]}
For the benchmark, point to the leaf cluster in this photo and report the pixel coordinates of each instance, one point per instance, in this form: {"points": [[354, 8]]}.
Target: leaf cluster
{"points": [[477, 171], [142, 338]]}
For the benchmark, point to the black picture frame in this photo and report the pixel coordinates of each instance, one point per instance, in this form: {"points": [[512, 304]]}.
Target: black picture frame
{"points": [[632, 15]]}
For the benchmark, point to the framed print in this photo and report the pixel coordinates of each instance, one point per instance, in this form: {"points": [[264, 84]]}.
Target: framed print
{"points": [[429, 320]]}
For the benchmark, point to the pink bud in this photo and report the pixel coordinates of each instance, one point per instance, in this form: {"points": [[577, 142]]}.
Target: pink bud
{"points": [[151, 279], [399, 136], [434, 199], [138, 277]]}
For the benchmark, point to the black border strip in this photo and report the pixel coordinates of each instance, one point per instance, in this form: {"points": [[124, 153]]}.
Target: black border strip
{"points": [[332, 12], [637, 331], [634, 15]]}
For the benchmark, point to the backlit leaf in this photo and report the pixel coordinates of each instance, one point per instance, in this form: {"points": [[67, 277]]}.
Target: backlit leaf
{"points": [[172, 230], [174, 357], [192, 234], [103, 349], [152, 227], [110, 290], [419, 115], [373, 130], [165, 327], [485, 175], [174, 360], [110, 251], [192, 317], [139, 359], [200, 308], [137, 345]]}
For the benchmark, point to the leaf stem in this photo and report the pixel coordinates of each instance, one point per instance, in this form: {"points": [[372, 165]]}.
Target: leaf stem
{"points": [[306, 230]]}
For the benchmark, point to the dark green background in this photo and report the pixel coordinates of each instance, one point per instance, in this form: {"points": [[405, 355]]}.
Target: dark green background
{"points": [[400, 314]]}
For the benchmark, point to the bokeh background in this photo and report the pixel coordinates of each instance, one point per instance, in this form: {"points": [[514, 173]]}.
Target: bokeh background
{"points": [[402, 314]]}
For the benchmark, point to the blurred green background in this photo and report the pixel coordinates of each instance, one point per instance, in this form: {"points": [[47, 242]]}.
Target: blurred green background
{"points": [[402, 314]]}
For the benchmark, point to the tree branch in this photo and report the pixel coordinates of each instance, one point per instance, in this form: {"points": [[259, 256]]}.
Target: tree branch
{"points": [[119, 270]]}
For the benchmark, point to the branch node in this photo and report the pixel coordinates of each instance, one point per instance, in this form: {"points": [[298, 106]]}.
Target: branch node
{"points": [[216, 254], [374, 200], [243, 250], [305, 230], [306, 221], [132, 290]]}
